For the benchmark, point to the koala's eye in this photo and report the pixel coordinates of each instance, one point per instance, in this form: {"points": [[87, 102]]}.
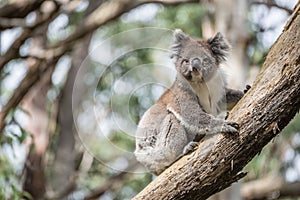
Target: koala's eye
{"points": [[184, 62]]}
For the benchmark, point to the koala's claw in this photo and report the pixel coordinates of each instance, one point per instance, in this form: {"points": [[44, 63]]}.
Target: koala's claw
{"points": [[190, 147], [247, 88], [231, 127], [233, 124]]}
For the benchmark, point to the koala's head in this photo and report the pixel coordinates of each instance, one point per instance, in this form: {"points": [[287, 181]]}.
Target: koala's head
{"points": [[198, 60]]}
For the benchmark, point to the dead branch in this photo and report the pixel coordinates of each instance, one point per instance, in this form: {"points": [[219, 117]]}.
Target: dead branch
{"points": [[267, 108]]}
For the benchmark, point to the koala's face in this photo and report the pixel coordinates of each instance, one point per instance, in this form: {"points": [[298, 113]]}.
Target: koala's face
{"points": [[197, 60]]}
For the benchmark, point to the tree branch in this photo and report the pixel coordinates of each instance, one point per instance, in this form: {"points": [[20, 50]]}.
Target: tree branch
{"points": [[13, 51], [6, 23], [266, 109], [20, 92], [109, 183], [272, 4], [271, 186], [112, 181], [109, 11], [36, 70], [19, 9]]}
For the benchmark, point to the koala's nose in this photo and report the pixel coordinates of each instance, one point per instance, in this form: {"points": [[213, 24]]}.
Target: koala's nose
{"points": [[196, 63]]}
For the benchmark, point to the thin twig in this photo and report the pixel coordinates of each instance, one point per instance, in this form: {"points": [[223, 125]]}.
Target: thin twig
{"points": [[272, 4]]}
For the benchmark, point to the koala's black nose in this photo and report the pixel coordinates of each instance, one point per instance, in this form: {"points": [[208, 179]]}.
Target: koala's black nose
{"points": [[196, 63]]}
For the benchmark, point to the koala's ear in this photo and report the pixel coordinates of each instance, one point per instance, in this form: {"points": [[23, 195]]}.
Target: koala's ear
{"points": [[179, 38], [219, 47]]}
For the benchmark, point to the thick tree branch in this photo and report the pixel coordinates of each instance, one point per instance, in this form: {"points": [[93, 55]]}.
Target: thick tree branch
{"points": [[271, 186], [36, 70], [266, 109], [19, 9], [7, 23], [25, 84]]}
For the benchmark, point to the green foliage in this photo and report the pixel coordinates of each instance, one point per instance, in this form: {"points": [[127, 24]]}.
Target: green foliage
{"points": [[10, 178], [188, 17], [122, 140], [10, 187]]}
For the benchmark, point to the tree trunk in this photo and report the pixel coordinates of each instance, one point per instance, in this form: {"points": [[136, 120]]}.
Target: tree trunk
{"points": [[36, 104], [65, 167], [231, 20], [266, 109]]}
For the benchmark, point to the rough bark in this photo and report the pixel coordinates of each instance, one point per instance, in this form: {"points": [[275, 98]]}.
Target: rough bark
{"points": [[266, 109], [231, 20]]}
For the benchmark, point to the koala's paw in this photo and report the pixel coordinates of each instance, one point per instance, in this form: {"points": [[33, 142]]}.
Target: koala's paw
{"points": [[189, 147], [230, 127], [247, 88]]}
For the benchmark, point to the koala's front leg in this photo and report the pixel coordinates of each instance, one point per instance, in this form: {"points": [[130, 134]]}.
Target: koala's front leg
{"points": [[197, 122], [205, 124]]}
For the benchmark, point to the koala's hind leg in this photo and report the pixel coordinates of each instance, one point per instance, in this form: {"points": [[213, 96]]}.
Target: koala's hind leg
{"points": [[171, 141]]}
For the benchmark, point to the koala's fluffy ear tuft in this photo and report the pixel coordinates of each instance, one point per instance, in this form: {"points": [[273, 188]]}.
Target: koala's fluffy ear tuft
{"points": [[179, 38], [219, 47]]}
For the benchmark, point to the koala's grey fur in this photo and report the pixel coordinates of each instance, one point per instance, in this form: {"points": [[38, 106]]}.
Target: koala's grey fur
{"points": [[188, 110]]}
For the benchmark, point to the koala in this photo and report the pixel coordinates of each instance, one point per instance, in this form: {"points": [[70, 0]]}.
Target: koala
{"points": [[189, 109]]}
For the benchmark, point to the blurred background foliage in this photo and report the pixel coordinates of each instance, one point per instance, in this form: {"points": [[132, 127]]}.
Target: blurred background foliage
{"points": [[94, 175]]}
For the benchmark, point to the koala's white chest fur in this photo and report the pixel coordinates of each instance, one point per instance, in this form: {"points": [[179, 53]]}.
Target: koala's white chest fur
{"points": [[211, 92]]}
